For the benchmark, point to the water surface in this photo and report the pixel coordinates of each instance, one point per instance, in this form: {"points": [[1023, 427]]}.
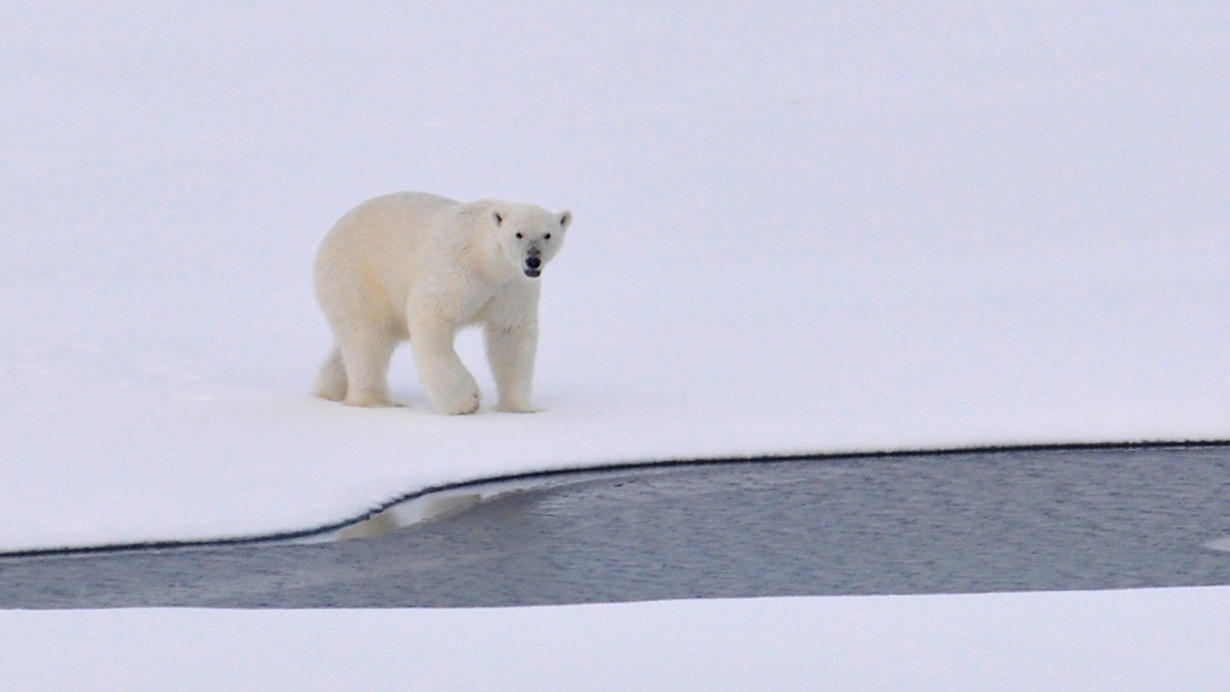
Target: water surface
{"points": [[948, 523]]}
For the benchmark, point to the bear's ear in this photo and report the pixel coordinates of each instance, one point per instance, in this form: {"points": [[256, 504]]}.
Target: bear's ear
{"points": [[497, 218], [565, 218]]}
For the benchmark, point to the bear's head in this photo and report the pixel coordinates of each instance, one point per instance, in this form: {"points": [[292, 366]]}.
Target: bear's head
{"points": [[529, 236]]}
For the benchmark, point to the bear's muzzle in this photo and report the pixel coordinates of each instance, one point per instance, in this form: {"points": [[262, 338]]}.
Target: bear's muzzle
{"points": [[533, 266]]}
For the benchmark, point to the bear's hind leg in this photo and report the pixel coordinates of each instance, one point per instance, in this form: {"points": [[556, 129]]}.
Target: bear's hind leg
{"points": [[366, 360], [331, 382]]}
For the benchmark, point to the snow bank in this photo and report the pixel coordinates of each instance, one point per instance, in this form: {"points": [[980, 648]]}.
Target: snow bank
{"points": [[1151, 639], [853, 227]]}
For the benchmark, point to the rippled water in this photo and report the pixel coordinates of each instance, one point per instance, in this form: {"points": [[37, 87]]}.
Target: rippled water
{"points": [[1030, 520]]}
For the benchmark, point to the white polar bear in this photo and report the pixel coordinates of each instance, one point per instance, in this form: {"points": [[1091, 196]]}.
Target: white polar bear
{"points": [[421, 267]]}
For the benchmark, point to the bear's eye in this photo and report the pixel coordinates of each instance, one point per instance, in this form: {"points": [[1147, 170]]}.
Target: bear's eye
{"points": [[518, 235], [547, 236]]}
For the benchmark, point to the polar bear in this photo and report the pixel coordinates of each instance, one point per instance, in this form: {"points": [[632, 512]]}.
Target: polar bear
{"points": [[418, 266]]}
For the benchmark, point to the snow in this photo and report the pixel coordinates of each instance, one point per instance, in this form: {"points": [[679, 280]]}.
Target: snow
{"points": [[1117, 640], [797, 230]]}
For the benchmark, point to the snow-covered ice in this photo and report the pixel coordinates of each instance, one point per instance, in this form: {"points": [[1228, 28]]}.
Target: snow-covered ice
{"points": [[1167, 639], [797, 229]]}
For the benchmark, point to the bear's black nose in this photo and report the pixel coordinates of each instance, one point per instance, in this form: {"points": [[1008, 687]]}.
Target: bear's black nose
{"points": [[533, 262]]}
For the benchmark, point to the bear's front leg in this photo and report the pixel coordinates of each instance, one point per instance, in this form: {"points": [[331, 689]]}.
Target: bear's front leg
{"points": [[448, 384], [510, 350]]}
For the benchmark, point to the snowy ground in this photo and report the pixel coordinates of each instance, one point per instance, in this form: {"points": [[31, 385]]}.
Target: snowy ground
{"points": [[856, 226], [1119, 640]]}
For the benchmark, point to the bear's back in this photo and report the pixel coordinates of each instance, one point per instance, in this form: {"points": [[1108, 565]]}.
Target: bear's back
{"points": [[376, 250]]}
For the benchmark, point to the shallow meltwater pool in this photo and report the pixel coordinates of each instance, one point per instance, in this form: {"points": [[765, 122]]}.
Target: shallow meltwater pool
{"points": [[925, 523]]}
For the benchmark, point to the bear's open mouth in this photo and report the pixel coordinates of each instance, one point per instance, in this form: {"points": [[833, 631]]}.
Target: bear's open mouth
{"points": [[532, 273]]}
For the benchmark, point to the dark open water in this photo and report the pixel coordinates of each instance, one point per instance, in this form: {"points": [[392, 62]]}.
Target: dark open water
{"points": [[969, 522]]}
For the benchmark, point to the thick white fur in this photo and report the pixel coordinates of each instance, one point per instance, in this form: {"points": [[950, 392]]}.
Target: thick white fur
{"points": [[421, 267]]}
